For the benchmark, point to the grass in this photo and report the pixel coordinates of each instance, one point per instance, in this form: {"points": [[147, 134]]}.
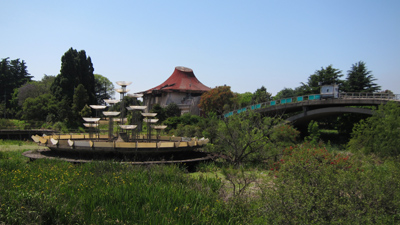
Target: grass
{"points": [[15, 145], [56, 192]]}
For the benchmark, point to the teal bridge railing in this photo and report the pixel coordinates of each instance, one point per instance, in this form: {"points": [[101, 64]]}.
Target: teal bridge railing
{"points": [[361, 95]]}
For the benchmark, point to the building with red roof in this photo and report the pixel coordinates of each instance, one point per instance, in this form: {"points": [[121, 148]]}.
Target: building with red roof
{"points": [[182, 88]]}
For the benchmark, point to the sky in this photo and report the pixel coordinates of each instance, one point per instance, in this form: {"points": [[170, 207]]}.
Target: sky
{"points": [[243, 44]]}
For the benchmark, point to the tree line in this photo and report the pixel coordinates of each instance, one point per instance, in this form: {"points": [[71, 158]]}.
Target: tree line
{"points": [[66, 97], [359, 79], [62, 98]]}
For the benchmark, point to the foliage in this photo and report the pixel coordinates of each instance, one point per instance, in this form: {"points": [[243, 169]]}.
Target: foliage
{"points": [[209, 126], [261, 95], [161, 114], [86, 111], [103, 88], [285, 93], [34, 88], [5, 123], [31, 89], [185, 119], [378, 133], [76, 69], [244, 99], [14, 124], [13, 74], [54, 192], [39, 108], [345, 123], [313, 133], [313, 186], [239, 180], [60, 126], [128, 101], [80, 100], [172, 123], [217, 100], [246, 136], [172, 110], [359, 79], [188, 131], [282, 136], [325, 76]]}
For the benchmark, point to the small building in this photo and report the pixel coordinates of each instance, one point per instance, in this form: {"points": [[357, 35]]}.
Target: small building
{"points": [[182, 88], [330, 91]]}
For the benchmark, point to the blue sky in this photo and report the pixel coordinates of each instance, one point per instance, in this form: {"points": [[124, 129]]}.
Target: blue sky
{"points": [[243, 44]]}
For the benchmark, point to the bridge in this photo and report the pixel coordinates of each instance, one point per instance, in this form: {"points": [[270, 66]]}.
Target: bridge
{"points": [[313, 107]]}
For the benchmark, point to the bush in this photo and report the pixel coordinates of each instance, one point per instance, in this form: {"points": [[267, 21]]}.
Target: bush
{"points": [[313, 186], [248, 136], [185, 119], [60, 126], [188, 131], [314, 133], [379, 133], [5, 124]]}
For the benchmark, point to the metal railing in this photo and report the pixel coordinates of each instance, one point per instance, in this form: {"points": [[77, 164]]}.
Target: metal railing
{"points": [[362, 95], [348, 95]]}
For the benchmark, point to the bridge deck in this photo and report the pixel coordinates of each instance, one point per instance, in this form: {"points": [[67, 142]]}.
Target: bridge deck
{"points": [[310, 102]]}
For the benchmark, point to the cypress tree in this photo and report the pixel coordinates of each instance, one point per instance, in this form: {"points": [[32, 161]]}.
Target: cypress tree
{"points": [[76, 69]]}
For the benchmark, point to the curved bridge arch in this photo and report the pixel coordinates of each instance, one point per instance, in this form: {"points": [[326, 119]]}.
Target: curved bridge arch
{"points": [[307, 116]]}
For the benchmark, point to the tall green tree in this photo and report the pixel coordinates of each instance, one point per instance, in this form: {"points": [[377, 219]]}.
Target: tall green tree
{"points": [[324, 76], [13, 74], [360, 79], [80, 100], [76, 69], [103, 88], [285, 93], [261, 95]]}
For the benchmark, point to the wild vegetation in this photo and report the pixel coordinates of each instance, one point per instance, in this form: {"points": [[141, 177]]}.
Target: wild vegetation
{"points": [[265, 172], [306, 184]]}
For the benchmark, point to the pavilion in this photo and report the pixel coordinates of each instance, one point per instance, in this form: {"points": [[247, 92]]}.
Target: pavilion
{"points": [[182, 88]]}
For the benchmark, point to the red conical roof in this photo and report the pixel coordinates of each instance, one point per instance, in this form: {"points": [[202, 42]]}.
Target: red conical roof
{"points": [[183, 80]]}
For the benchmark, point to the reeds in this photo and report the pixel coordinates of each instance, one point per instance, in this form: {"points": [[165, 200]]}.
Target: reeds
{"points": [[56, 192]]}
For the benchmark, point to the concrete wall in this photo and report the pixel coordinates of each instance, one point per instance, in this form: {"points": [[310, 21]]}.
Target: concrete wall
{"points": [[186, 102]]}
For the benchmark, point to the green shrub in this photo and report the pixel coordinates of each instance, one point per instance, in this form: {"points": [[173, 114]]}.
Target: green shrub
{"points": [[5, 124], [60, 126], [250, 137], [314, 133], [188, 131], [378, 134], [313, 186]]}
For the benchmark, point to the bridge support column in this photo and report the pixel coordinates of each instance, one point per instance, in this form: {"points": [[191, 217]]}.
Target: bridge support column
{"points": [[305, 110]]}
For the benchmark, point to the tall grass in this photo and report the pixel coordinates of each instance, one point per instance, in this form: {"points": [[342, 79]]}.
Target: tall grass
{"points": [[55, 192], [307, 185]]}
